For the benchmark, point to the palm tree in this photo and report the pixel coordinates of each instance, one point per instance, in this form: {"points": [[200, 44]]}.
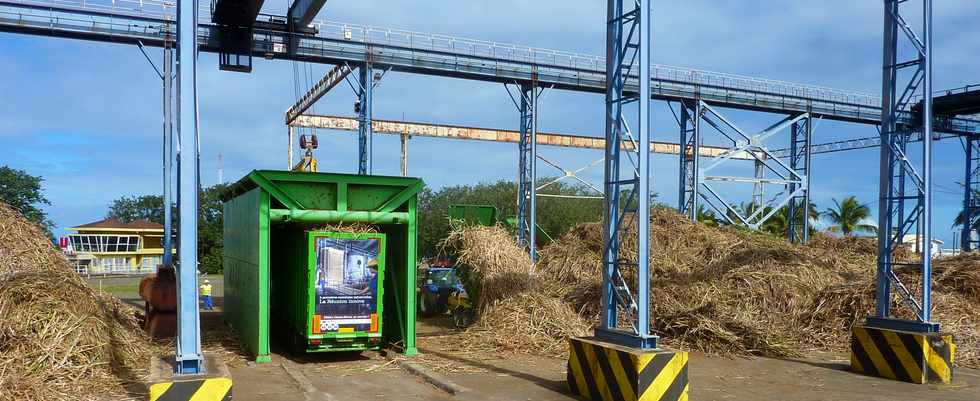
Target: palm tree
{"points": [[961, 217], [848, 215]]}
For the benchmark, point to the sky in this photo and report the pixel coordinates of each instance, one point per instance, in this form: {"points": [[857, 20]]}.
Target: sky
{"points": [[87, 116]]}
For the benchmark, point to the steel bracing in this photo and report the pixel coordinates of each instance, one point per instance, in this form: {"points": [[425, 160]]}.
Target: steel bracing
{"points": [[969, 240], [905, 193], [627, 176], [335, 76], [798, 210], [690, 158], [526, 101], [698, 180]]}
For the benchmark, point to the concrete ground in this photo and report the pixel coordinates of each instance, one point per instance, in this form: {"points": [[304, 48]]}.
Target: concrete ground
{"points": [[823, 377], [503, 376]]}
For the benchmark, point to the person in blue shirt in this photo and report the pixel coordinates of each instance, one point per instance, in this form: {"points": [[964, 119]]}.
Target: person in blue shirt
{"points": [[372, 285]]}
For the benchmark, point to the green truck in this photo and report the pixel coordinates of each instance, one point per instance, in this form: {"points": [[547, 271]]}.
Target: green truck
{"points": [[330, 297]]}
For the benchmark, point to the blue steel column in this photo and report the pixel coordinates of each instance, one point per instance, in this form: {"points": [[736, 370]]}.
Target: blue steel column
{"points": [[971, 193], [799, 205], [926, 192], [886, 167], [168, 154], [898, 170], [614, 110], [527, 170], [364, 130], [188, 357], [690, 158], [628, 57], [643, 225]]}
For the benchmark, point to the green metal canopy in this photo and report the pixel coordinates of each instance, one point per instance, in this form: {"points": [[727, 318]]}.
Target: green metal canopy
{"points": [[265, 199]]}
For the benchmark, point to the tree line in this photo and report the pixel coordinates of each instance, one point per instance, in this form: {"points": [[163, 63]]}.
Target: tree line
{"points": [[555, 215]]}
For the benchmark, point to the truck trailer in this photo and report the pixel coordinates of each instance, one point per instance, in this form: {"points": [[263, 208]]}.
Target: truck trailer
{"points": [[327, 294]]}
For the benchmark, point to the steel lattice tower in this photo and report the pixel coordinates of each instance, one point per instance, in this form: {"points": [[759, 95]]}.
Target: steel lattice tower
{"points": [[905, 193], [690, 158], [527, 168], [627, 185], [798, 208]]}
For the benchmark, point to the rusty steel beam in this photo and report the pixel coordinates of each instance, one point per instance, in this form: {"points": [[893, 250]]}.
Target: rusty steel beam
{"points": [[488, 134]]}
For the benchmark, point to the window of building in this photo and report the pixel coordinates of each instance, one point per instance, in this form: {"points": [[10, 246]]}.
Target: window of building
{"points": [[104, 243]]}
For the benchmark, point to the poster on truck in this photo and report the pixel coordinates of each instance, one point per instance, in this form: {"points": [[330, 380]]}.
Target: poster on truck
{"points": [[346, 276]]}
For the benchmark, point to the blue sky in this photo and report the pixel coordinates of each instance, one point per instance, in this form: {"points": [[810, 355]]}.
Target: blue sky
{"points": [[87, 116]]}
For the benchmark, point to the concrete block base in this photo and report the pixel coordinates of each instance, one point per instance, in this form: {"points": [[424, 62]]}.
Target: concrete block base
{"points": [[215, 385], [599, 370], [901, 355]]}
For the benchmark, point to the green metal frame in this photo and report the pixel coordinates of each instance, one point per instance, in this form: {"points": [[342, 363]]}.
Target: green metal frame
{"points": [[246, 268], [264, 198], [484, 215], [311, 294]]}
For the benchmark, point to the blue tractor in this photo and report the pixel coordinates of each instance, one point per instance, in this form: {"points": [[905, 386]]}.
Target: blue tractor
{"points": [[441, 291]]}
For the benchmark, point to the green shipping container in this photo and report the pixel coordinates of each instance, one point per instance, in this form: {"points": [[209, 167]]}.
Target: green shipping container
{"points": [[272, 221]]}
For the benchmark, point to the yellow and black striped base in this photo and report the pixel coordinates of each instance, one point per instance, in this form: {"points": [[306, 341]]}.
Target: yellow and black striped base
{"points": [[208, 389], [900, 355], [601, 371], [213, 386]]}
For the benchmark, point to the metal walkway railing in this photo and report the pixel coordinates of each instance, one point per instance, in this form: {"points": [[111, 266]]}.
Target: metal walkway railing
{"points": [[150, 21]]}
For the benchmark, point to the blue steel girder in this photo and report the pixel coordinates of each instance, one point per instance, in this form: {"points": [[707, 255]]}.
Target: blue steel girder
{"points": [[337, 43], [969, 239], [302, 12], [627, 182], [905, 194]]}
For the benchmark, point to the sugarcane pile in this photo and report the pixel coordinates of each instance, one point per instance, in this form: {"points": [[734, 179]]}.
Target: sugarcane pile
{"points": [[518, 307], [59, 338], [717, 290]]}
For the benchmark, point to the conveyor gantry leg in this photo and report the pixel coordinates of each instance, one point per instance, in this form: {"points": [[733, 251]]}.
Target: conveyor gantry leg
{"points": [[905, 206]]}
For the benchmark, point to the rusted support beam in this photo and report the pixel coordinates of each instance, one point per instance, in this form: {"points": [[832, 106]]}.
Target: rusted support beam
{"points": [[488, 134]]}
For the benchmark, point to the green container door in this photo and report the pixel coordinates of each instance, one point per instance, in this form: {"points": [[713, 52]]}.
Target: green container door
{"points": [[345, 301]]}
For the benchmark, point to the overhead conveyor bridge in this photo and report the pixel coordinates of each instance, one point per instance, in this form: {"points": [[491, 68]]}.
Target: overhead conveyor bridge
{"points": [[151, 22]]}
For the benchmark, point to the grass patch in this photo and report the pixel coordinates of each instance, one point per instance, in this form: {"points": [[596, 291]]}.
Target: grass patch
{"points": [[119, 289]]}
